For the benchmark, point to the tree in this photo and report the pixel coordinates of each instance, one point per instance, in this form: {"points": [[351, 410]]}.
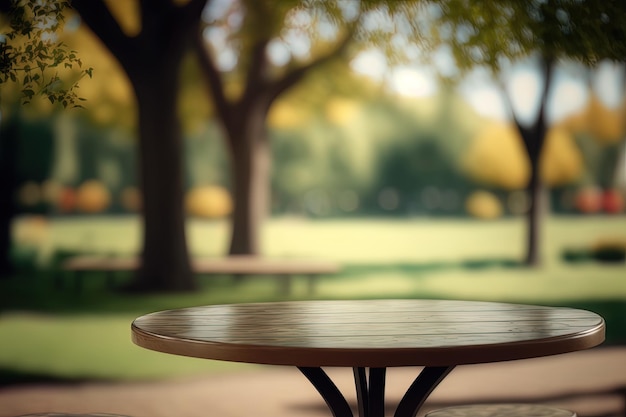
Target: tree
{"points": [[32, 55], [151, 53], [274, 46], [493, 33], [33, 63], [607, 126], [497, 157]]}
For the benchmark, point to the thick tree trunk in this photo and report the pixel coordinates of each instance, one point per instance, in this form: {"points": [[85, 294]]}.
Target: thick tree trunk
{"points": [[251, 170], [7, 191], [165, 259], [152, 60]]}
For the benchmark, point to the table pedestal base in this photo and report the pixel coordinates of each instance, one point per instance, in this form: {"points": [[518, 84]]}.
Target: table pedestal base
{"points": [[370, 390]]}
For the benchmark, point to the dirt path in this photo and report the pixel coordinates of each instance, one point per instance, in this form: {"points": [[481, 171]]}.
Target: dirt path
{"points": [[284, 392]]}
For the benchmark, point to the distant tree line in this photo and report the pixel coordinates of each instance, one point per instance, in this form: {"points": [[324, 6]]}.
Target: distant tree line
{"points": [[405, 168]]}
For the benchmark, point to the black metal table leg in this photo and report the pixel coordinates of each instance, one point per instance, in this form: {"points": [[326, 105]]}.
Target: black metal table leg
{"points": [[328, 390], [362, 395], [370, 391], [421, 388], [376, 402]]}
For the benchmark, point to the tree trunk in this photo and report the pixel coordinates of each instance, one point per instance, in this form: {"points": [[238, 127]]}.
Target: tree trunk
{"points": [[251, 170], [534, 138], [165, 259], [7, 190], [610, 160], [535, 216], [152, 61]]}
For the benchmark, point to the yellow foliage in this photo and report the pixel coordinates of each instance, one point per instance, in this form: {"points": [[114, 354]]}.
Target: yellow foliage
{"points": [[109, 95], [127, 14], [285, 115], [51, 191], [341, 111], [483, 205], [605, 124], [233, 90], [92, 197], [497, 156], [574, 123], [29, 194], [210, 201], [194, 106], [130, 198], [561, 161]]}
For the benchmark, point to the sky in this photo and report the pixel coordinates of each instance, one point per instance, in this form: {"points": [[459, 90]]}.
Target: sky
{"points": [[569, 94]]}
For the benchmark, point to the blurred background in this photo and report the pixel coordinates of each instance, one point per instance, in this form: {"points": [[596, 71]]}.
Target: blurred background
{"points": [[420, 171]]}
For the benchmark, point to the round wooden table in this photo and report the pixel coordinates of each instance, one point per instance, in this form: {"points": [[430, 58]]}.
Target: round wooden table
{"points": [[370, 336]]}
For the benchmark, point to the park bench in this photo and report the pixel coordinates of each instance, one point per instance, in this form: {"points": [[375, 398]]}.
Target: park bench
{"points": [[235, 265]]}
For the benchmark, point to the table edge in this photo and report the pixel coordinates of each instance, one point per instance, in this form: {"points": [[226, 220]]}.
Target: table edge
{"points": [[370, 357]]}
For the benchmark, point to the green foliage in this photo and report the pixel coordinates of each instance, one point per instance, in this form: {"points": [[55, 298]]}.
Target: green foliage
{"points": [[490, 32], [307, 29], [386, 143], [33, 57]]}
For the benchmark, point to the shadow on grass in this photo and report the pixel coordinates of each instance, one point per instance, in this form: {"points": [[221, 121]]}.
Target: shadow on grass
{"points": [[55, 291], [9, 377], [427, 267]]}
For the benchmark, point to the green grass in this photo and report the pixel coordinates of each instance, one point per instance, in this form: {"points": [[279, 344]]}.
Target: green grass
{"points": [[57, 334]]}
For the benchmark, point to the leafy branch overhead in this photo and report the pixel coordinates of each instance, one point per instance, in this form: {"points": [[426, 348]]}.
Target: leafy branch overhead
{"points": [[32, 56]]}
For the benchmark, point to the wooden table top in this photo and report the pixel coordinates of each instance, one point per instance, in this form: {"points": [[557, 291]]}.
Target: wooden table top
{"points": [[369, 333]]}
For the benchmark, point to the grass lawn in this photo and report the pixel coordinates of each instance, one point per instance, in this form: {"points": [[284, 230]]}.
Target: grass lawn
{"points": [[48, 333]]}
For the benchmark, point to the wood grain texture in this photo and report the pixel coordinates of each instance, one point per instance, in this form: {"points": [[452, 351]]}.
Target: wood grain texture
{"points": [[369, 333], [502, 410]]}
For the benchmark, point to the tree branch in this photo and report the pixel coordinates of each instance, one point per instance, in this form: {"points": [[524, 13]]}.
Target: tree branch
{"points": [[145, 5], [6, 6], [295, 75], [548, 64], [192, 11], [102, 23], [257, 69], [213, 78]]}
